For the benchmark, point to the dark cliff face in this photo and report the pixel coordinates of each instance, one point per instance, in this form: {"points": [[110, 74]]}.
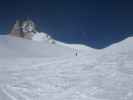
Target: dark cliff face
{"points": [[16, 30]]}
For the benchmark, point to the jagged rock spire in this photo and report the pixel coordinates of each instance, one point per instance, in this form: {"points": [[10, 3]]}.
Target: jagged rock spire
{"points": [[16, 30], [28, 26], [28, 29]]}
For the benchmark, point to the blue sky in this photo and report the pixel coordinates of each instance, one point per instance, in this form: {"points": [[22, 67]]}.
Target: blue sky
{"points": [[97, 23]]}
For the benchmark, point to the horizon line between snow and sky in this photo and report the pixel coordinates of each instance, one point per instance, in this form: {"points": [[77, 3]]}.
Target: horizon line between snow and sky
{"points": [[95, 23]]}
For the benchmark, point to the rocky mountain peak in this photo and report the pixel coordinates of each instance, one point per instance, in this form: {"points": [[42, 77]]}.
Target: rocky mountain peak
{"points": [[27, 29]]}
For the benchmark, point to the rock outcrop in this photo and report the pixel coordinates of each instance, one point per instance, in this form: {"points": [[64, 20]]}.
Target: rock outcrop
{"points": [[27, 29], [16, 30]]}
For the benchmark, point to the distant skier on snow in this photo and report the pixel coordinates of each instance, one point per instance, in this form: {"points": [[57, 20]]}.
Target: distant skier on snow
{"points": [[76, 54]]}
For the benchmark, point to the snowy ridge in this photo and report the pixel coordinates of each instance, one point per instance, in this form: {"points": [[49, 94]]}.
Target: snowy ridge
{"points": [[92, 75], [122, 46], [18, 47], [75, 46]]}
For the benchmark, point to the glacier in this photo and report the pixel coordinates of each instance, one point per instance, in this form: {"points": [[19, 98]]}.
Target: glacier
{"points": [[32, 70]]}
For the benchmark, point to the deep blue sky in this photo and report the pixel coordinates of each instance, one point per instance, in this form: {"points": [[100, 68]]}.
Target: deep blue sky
{"points": [[99, 22]]}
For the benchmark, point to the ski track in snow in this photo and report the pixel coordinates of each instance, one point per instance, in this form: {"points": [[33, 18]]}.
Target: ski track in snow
{"points": [[65, 79], [24, 76]]}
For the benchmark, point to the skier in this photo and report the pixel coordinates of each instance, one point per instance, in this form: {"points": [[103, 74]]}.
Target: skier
{"points": [[76, 54]]}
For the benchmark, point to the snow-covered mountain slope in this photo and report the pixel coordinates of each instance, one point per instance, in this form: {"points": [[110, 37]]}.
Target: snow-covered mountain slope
{"points": [[75, 46], [11, 46], [92, 75]]}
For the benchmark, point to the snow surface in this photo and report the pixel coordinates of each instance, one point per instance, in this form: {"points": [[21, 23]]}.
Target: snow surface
{"points": [[40, 36], [17, 47], [44, 71]]}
